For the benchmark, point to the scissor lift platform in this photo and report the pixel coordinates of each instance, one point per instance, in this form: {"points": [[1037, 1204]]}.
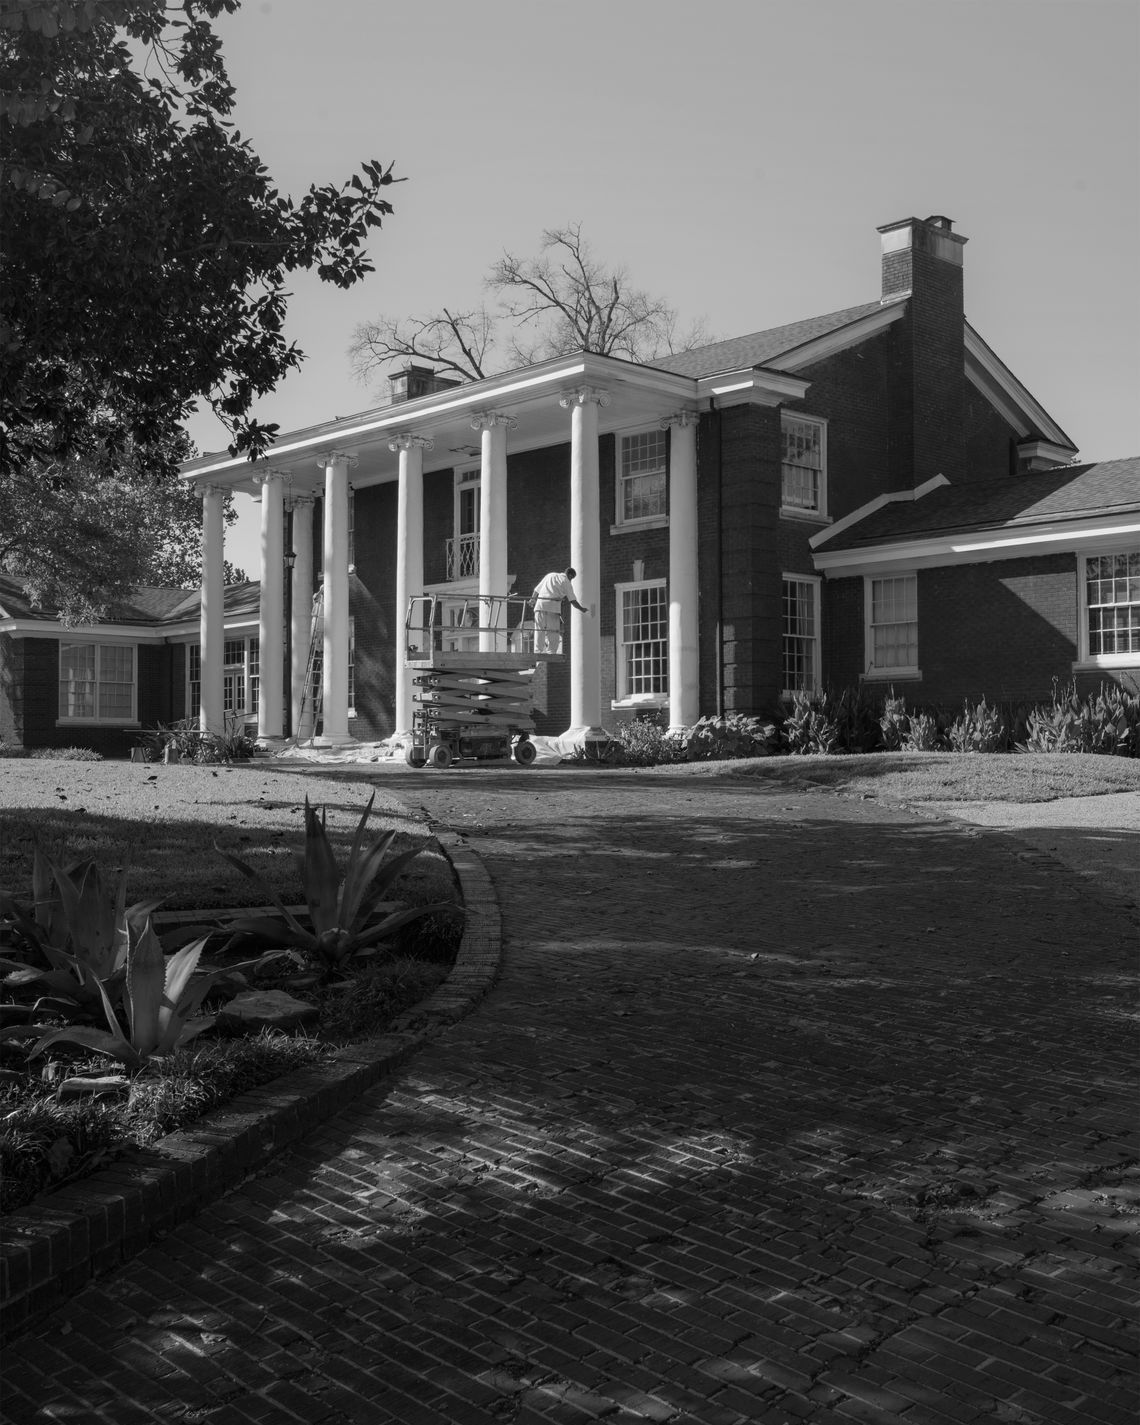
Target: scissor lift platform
{"points": [[471, 704]]}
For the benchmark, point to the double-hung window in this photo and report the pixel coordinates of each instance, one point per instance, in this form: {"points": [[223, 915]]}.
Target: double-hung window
{"points": [[891, 607], [643, 642], [801, 634], [1110, 594], [241, 677], [97, 682], [803, 468], [642, 479]]}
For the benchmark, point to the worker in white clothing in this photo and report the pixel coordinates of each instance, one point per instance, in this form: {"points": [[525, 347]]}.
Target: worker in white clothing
{"points": [[548, 595]]}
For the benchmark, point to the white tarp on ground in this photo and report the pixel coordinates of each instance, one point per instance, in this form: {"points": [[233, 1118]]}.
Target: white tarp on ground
{"points": [[551, 751]]}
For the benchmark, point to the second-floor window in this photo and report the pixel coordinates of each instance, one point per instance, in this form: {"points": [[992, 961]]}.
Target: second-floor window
{"points": [[463, 547], [803, 469], [642, 484]]}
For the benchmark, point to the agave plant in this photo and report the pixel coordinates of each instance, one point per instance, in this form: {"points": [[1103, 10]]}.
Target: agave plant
{"points": [[348, 916], [158, 998], [79, 928]]}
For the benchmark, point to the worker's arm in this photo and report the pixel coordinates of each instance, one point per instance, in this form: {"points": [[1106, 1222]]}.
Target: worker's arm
{"points": [[580, 607]]}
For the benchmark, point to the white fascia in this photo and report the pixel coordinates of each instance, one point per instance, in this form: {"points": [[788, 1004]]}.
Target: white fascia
{"points": [[82, 633], [980, 547], [751, 386], [892, 497], [555, 377], [1008, 396], [821, 347]]}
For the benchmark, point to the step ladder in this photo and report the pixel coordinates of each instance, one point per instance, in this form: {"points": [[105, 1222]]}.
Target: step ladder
{"points": [[312, 691]]}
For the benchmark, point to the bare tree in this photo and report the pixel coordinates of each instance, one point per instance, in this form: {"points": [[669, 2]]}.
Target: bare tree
{"points": [[562, 301]]}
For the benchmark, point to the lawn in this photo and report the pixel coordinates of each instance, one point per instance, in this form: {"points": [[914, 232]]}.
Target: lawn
{"points": [[162, 822], [938, 776]]}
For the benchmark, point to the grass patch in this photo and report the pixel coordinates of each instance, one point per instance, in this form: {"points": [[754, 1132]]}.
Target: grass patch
{"points": [[934, 776], [161, 822]]}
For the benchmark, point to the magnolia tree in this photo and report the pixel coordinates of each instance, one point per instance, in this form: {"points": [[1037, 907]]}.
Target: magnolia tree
{"points": [[562, 301], [145, 257]]}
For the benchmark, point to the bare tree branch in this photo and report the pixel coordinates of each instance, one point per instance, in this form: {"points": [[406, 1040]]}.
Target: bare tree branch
{"points": [[560, 302]]}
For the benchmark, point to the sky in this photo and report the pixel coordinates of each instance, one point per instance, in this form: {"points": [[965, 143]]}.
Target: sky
{"points": [[735, 156]]}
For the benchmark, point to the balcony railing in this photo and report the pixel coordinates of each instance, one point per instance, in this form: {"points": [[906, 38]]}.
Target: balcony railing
{"points": [[463, 557]]}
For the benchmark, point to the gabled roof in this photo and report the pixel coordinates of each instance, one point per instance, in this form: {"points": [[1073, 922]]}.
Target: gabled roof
{"points": [[1107, 490], [762, 348], [144, 606]]}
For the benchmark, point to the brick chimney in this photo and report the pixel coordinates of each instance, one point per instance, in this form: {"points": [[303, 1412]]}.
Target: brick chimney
{"points": [[414, 381], [922, 266]]}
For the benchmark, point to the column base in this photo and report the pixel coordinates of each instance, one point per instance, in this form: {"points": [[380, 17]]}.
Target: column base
{"points": [[334, 739], [574, 739]]}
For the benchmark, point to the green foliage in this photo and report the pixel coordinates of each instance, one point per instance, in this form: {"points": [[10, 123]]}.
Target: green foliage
{"points": [[644, 742], [77, 936], [726, 738], [348, 917], [1106, 722], [137, 220], [376, 995], [979, 728], [46, 1142], [159, 1000], [923, 733], [894, 723], [812, 727], [187, 742]]}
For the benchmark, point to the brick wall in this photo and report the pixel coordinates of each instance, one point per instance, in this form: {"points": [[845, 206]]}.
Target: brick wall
{"points": [[750, 568], [990, 443], [372, 603], [11, 690], [850, 391]]}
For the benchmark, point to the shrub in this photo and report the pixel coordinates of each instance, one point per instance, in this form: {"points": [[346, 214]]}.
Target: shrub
{"points": [[894, 724], [923, 734], [725, 738], [857, 717], [645, 743], [66, 754], [184, 741], [812, 726], [348, 916], [978, 729], [1106, 722]]}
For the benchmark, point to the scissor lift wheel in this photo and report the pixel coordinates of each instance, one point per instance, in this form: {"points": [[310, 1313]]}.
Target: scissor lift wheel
{"points": [[525, 752], [439, 756]]}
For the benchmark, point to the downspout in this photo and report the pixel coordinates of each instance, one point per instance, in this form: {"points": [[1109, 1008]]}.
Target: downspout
{"points": [[714, 410]]}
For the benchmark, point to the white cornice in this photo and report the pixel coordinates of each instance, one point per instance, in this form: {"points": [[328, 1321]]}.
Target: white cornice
{"points": [[1008, 396], [425, 413], [833, 342], [890, 498], [752, 385], [93, 632], [982, 546]]}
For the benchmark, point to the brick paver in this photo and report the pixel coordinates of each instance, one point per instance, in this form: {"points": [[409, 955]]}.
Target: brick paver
{"points": [[787, 1108]]}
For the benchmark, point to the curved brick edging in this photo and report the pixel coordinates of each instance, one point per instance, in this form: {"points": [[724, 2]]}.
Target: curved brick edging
{"points": [[50, 1251]]}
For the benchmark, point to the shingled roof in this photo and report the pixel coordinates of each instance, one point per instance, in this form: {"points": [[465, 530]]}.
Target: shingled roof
{"points": [[143, 605], [760, 348], [1109, 487]]}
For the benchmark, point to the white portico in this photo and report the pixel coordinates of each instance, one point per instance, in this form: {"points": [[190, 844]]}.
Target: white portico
{"points": [[573, 401]]}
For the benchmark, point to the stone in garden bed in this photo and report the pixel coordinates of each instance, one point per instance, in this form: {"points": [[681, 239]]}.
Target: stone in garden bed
{"points": [[265, 1009]]}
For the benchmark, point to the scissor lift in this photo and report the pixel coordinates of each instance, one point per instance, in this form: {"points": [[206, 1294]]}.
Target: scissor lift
{"points": [[472, 660]]}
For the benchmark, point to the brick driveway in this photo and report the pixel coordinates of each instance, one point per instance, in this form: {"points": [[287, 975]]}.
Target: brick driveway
{"points": [[787, 1107]]}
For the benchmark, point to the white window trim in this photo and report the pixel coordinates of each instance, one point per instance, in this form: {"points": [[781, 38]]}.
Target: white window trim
{"points": [[796, 512], [1087, 661], [624, 526], [872, 674], [242, 715], [133, 720], [635, 700], [787, 694]]}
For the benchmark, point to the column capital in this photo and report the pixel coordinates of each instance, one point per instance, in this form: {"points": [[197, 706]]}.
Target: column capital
{"points": [[407, 440], [271, 472], [331, 457], [679, 418], [213, 490], [305, 497], [583, 396], [487, 420]]}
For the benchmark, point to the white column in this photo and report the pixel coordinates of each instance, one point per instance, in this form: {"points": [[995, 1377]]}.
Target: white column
{"points": [[492, 522], [271, 610], [301, 612], [684, 684], [334, 692], [212, 629], [409, 561], [585, 557]]}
